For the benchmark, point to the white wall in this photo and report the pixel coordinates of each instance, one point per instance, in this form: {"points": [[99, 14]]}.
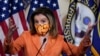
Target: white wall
{"points": [[63, 4]]}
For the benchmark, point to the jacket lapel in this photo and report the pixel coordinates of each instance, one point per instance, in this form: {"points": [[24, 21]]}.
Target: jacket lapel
{"points": [[36, 42], [50, 43]]}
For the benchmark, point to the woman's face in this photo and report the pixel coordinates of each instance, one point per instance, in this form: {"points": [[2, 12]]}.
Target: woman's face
{"points": [[41, 24]]}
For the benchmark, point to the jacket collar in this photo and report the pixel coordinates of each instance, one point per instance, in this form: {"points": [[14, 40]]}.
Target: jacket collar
{"points": [[37, 43]]}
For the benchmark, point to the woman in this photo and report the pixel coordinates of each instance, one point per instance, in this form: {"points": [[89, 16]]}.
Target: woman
{"points": [[43, 38]]}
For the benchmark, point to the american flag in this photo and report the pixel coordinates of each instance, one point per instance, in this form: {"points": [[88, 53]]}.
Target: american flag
{"points": [[52, 4], [14, 9], [11, 9]]}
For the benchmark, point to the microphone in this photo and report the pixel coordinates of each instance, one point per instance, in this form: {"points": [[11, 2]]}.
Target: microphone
{"points": [[44, 40], [68, 47]]}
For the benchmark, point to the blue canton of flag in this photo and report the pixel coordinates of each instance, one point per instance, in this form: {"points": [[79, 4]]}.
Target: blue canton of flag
{"points": [[7, 8], [52, 4]]}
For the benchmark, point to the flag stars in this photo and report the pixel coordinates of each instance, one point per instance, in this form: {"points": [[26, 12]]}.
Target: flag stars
{"points": [[10, 4], [4, 8], [3, 15], [48, 1], [33, 9], [5, 1], [21, 4], [9, 8], [9, 11], [14, 8], [16, 1], [54, 4], [35, 2], [41, 4]]}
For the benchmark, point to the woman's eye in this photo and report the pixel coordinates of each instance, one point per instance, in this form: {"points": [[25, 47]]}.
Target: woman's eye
{"points": [[43, 21], [35, 21]]}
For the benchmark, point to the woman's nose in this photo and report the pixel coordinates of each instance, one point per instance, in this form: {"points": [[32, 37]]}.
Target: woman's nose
{"points": [[39, 23]]}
